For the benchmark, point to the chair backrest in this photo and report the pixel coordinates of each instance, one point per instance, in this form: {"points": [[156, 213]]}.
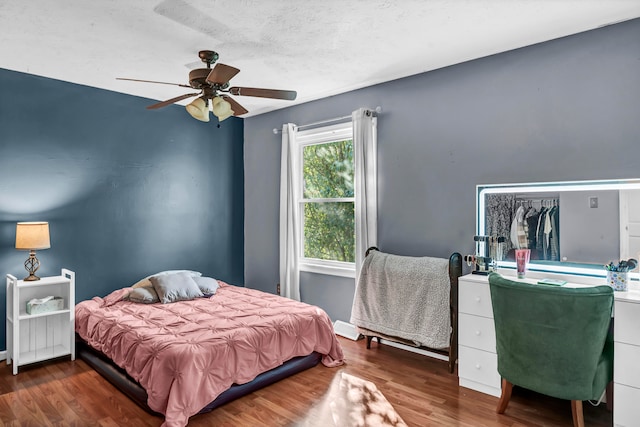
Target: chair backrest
{"points": [[551, 339]]}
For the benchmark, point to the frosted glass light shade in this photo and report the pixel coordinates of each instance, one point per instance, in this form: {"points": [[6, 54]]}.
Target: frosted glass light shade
{"points": [[32, 236], [198, 110], [221, 108]]}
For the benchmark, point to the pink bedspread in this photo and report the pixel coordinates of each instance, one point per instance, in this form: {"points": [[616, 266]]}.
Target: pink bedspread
{"points": [[186, 353]]}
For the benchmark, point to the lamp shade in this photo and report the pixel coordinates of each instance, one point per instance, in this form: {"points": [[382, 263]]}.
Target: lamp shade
{"points": [[32, 235], [221, 108], [198, 110]]}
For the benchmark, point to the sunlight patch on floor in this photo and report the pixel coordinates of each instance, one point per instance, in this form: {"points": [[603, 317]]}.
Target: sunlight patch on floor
{"points": [[352, 402]]}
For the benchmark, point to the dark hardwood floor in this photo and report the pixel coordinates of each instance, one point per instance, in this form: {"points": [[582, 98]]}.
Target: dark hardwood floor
{"points": [[65, 393]]}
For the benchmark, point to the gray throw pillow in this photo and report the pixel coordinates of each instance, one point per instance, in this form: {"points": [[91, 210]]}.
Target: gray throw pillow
{"points": [[208, 285], [175, 287], [144, 295], [147, 282]]}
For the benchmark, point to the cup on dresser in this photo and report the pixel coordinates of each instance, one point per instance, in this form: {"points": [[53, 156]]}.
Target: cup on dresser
{"points": [[618, 280], [522, 259]]}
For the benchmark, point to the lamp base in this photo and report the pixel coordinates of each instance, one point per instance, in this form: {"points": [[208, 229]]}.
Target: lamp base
{"points": [[31, 265]]}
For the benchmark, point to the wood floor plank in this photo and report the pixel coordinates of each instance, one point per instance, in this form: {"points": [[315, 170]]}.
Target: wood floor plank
{"points": [[110, 422], [49, 412], [66, 393], [7, 415], [26, 409], [62, 407]]}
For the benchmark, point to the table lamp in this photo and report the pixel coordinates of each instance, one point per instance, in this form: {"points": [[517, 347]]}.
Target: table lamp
{"points": [[31, 236]]}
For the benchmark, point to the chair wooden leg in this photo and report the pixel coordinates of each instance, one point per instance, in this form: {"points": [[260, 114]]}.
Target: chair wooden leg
{"points": [[505, 396], [609, 394], [576, 411]]}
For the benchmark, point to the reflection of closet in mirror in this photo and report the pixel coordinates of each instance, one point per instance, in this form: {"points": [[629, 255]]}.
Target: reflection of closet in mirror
{"points": [[540, 225], [528, 221]]}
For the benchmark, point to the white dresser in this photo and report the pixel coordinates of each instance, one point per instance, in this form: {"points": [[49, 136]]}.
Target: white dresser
{"points": [[626, 365], [477, 359]]}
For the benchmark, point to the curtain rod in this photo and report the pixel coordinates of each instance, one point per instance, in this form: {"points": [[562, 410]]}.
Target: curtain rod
{"points": [[377, 110]]}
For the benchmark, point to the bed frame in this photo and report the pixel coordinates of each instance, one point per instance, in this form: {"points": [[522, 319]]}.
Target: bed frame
{"points": [[123, 382], [455, 271]]}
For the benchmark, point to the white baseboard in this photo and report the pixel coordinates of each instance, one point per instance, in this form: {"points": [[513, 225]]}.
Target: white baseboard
{"points": [[3, 355], [346, 330]]}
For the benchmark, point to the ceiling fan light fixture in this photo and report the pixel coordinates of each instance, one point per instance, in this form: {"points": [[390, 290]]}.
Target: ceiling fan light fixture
{"points": [[209, 81], [221, 108], [198, 109]]}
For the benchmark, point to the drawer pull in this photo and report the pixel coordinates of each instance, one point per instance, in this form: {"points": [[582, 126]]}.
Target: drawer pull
{"points": [[478, 333], [478, 366], [477, 299]]}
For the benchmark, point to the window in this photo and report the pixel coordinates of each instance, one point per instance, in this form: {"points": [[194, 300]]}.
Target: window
{"points": [[327, 202]]}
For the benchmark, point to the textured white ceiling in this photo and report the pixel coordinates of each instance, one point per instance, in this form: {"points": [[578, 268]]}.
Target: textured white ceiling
{"points": [[318, 48]]}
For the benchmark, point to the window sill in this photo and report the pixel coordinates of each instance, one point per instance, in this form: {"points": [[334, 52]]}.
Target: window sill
{"points": [[329, 270]]}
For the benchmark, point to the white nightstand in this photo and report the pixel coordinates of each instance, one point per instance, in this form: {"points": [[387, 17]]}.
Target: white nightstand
{"points": [[37, 337]]}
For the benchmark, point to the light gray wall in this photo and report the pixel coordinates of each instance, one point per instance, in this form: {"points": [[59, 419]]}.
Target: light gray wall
{"points": [[562, 110]]}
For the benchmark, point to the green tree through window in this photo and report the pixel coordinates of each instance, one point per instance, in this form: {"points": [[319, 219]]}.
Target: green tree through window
{"points": [[328, 201]]}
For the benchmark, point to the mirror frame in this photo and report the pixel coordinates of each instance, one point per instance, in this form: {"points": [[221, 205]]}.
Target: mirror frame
{"points": [[545, 187]]}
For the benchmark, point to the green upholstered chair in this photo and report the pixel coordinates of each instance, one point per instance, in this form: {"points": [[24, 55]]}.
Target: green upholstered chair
{"points": [[553, 340]]}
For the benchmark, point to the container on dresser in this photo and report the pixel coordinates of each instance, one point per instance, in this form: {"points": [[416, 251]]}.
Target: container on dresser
{"points": [[477, 358], [626, 364], [48, 333]]}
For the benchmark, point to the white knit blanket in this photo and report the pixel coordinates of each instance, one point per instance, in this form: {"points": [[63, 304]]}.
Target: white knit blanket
{"points": [[405, 297]]}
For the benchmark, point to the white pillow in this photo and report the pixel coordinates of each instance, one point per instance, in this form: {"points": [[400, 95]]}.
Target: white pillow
{"points": [[143, 294], [146, 282], [208, 285], [175, 287]]}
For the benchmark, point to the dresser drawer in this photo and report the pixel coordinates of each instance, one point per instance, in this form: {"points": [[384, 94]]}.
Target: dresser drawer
{"points": [[627, 368], [475, 298], [627, 320], [477, 332], [478, 366], [626, 411]]}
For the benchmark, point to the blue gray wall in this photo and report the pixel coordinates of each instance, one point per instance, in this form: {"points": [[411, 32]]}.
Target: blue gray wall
{"points": [[127, 191], [568, 109]]}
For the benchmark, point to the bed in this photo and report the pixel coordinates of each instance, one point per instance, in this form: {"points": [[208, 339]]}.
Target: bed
{"points": [[182, 358], [409, 300]]}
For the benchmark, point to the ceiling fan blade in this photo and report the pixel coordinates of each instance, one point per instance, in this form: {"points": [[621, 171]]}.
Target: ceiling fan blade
{"points": [[222, 73], [151, 81], [171, 101], [264, 93], [238, 109]]}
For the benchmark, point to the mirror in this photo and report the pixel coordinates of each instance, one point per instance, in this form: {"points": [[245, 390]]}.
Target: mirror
{"points": [[571, 227]]}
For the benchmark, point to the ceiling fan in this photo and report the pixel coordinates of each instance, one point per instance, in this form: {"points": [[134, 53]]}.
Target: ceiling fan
{"points": [[213, 84]]}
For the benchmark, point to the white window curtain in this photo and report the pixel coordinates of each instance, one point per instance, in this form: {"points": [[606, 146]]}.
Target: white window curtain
{"points": [[289, 269], [366, 201], [365, 143]]}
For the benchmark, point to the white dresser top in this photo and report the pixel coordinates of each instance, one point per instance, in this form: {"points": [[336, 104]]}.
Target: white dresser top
{"points": [[632, 295]]}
